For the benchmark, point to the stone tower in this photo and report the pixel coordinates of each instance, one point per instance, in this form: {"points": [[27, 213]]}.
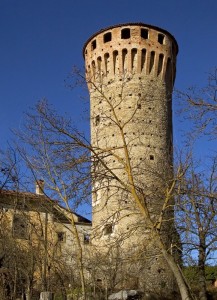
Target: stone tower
{"points": [[130, 71]]}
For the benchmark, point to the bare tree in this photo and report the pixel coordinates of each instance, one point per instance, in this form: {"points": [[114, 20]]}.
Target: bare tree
{"points": [[199, 105], [197, 206], [9, 169], [61, 155], [196, 217], [63, 165]]}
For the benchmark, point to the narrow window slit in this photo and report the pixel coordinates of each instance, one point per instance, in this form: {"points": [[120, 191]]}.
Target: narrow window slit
{"points": [[151, 61], [124, 58], [99, 63], [97, 120], [115, 60], [106, 62], [134, 58], [93, 69], [143, 59], [160, 64]]}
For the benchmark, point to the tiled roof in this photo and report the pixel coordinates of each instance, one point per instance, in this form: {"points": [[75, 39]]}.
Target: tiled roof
{"points": [[36, 202]]}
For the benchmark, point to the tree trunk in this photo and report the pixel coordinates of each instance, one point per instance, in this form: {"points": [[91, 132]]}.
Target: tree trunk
{"points": [[201, 271], [28, 293], [184, 291], [79, 257]]}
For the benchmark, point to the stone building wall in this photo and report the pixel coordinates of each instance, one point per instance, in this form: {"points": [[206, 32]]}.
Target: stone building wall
{"points": [[130, 70]]}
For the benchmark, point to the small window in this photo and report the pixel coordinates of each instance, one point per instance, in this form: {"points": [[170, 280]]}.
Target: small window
{"points": [[97, 120], [93, 45], [151, 157], [20, 227], [125, 33], [160, 38], [139, 105], [61, 236], [107, 37], [144, 33], [108, 229], [86, 238]]}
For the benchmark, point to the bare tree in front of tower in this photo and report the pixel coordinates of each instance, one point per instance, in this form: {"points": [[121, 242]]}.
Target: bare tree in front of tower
{"points": [[127, 181], [61, 140]]}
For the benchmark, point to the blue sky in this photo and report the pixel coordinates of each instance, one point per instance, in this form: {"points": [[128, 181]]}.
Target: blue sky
{"points": [[41, 41]]}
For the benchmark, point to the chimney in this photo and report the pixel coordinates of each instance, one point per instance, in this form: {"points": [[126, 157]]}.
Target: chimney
{"points": [[39, 187]]}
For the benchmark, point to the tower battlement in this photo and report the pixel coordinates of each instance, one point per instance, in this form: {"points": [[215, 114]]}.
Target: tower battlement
{"points": [[134, 48]]}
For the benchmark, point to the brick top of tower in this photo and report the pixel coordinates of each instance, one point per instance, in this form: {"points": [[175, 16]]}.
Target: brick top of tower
{"points": [[133, 24]]}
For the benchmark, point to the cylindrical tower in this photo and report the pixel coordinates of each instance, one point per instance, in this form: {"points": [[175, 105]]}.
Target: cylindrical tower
{"points": [[130, 71]]}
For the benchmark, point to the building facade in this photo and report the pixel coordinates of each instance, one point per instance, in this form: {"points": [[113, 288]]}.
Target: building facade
{"points": [[130, 72], [37, 244]]}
